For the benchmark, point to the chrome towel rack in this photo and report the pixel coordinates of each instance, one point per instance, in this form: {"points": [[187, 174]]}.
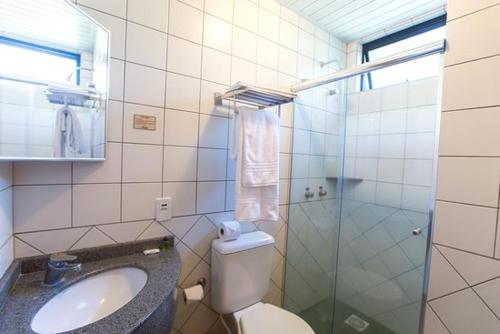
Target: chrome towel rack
{"points": [[259, 97]]}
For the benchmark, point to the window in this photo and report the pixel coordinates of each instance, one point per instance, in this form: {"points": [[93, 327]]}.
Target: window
{"points": [[421, 34], [22, 61]]}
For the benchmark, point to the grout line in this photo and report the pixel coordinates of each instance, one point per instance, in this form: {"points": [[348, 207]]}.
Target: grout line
{"points": [[439, 318], [473, 12]]}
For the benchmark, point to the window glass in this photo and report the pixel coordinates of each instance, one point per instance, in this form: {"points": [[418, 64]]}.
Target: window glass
{"points": [[408, 71], [31, 64]]}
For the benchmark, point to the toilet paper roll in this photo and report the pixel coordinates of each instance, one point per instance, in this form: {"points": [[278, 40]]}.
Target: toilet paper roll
{"points": [[229, 230], [193, 294]]}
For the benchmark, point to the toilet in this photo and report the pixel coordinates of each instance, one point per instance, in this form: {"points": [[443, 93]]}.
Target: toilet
{"points": [[241, 272]]}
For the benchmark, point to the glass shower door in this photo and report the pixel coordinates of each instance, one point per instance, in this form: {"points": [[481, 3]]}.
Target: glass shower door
{"points": [[386, 197], [314, 206], [356, 258]]}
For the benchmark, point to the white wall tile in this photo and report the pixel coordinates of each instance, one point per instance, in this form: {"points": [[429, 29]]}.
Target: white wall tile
{"points": [[390, 170], [267, 53], [221, 8], [269, 25], [289, 35], [38, 208], [395, 97], [420, 145], [465, 227], [242, 70], [464, 312], [44, 240], [183, 197], [422, 92], [244, 44], [459, 8], [96, 204], [246, 14], [142, 163], [138, 200], [459, 135], [217, 33], [182, 92], [306, 44], [389, 194], [466, 180], [185, 22], [116, 79], [211, 164], [213, 132], [462, 36], [100, 172], [30, 173], [393, 121], [443, 279], [216, 66], [144, 85], [210, 197], [287, 61], [179, 163], [184, 57], [140, 38], [132, 135], [116, 27], [418, 172], [181, 128], [207, 105], [5, 215], [478, 79], [152, 13], [114, 7], [115, 119]]}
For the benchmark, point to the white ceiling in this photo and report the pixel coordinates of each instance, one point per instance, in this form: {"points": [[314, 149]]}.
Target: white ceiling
{"points": [[51, 22], [352, 20]]}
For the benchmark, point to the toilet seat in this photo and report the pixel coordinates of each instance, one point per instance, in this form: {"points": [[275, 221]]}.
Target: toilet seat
{"points": [[269, 319]]}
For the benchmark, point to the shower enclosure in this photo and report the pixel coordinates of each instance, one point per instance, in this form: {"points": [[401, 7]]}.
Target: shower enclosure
{"points": [[361, 196]]}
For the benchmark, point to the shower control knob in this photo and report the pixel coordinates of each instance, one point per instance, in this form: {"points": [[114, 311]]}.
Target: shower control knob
{"points": [[309, 194], [322, 192], [417, 231]]}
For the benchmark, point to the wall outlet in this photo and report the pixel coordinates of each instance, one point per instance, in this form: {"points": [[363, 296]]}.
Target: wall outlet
{"points": [[163, 209]]}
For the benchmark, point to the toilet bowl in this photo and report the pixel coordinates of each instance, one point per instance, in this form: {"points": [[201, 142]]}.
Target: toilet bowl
{"points": [[263, 318], [241, 271]]}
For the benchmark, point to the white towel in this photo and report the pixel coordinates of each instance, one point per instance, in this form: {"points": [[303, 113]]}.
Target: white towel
{"points": [[256, 138], [68, 136]]}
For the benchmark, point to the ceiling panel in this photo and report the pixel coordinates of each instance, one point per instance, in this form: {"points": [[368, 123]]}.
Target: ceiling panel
{"points": [[365, 20]]}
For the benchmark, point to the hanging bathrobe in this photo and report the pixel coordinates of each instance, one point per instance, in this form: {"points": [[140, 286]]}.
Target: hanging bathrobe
{"points": [[68, 136]]}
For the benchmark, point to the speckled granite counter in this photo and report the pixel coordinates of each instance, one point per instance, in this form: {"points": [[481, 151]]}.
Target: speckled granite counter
{"points": [[151, 311]]}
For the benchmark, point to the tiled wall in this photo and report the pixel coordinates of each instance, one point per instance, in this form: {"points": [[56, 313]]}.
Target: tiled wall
{"points": [[6, 240], [168, 58], [465, 268]]}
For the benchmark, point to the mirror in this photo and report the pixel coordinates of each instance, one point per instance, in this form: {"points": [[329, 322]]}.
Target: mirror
{"points": [[54, 62]]}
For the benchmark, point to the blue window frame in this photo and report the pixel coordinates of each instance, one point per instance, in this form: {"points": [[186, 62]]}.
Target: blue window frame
{"points": [[367, 80], [69, 61]]}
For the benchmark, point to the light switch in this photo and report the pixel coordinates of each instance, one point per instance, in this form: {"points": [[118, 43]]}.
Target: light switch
{"points": [[163, 209]]}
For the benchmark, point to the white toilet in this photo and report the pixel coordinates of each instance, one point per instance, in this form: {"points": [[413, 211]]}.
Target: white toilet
{"points": [[241, 271]]}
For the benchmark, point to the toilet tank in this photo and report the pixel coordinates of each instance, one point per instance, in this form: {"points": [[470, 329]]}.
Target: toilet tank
{"points": [[240, 271]]}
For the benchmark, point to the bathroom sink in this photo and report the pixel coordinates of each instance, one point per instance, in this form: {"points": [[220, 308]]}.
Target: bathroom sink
{"points": [[89, 300]]}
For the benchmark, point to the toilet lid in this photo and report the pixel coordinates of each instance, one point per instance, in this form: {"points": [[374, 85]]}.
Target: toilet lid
{"points": [[269, 319]]}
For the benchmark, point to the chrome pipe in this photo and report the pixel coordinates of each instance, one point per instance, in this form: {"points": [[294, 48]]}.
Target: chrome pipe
{"points": [[422, 51]]}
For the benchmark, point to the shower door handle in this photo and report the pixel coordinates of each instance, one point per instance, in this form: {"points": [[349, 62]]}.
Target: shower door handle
{"points": [[308, 194], [417, 231], [322, 192]]}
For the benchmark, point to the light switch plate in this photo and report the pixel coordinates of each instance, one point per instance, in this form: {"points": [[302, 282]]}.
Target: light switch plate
{"points": [[163, 209]]}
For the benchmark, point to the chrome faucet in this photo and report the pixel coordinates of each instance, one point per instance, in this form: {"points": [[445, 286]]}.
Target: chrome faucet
{"points": [[57, 266]]}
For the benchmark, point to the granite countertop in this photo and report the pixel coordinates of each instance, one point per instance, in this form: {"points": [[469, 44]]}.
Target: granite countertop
{"points": [[27, 295]]}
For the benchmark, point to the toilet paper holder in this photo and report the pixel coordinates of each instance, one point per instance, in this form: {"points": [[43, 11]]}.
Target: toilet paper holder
{"points": [[195, 296]]}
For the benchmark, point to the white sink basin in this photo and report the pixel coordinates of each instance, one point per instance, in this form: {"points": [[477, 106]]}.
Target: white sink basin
{"points": [[89, 300]]}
